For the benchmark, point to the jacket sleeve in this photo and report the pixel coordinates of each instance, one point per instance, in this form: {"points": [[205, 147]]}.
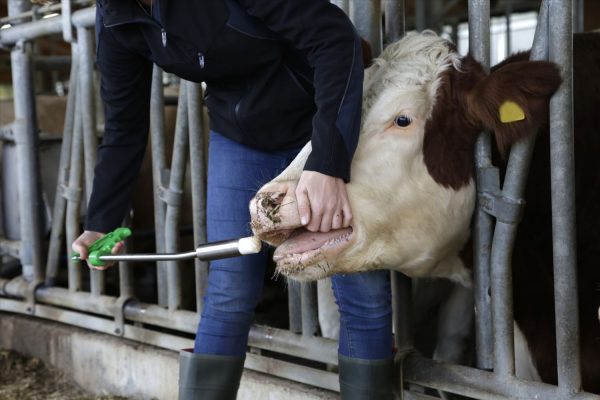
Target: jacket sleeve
{"points": [[324, 33], [125, 90]]}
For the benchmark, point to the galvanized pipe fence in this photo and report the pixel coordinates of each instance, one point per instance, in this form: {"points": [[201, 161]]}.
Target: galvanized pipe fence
{"points": [[36, 292]]}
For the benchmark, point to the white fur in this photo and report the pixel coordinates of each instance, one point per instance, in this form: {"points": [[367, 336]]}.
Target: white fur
{"points": [[524, 365]]}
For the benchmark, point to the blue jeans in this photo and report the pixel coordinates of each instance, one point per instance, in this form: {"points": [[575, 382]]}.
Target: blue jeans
{"points": [[235, 173]]}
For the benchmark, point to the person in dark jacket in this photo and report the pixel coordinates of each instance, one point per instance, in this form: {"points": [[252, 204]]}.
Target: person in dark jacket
{"points": [[278, 73]]}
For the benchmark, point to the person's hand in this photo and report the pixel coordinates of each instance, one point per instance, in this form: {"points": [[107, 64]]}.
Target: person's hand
{"points": [[322, 202], [81, 244]]}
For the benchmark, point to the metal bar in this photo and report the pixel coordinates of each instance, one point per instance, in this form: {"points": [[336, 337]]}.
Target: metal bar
{"points": [[86, 101], [60, 204], [479, 31], [502, 301], [67, 30], [28, 167], [126, 286], [479, 46], [294, 306], [285, 342], [39, 11], [505, 232], [73, 191], [482, 235], [403, 305], [366, 16], [273, 339], [507, 16], [90, 139], [309, 304], [395, 21], [17, 7], [478, 384], [197, 172], [164, 257], [51, 61], [157, 136], [81, 301], [578, 16], [48, 26], [126, 282], [562, 175], [176, 187], [421, 15], [298, 373], [401, 285]]}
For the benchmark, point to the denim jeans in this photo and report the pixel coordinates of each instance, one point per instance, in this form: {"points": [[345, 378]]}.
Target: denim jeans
{"points": [[235, 173]]}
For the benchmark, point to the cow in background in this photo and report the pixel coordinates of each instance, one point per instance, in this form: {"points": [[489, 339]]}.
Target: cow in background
{"points": [[412, 190]]}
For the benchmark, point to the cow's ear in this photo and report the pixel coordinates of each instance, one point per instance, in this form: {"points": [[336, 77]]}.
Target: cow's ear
{"points": [[513, 100], [449, 133]]}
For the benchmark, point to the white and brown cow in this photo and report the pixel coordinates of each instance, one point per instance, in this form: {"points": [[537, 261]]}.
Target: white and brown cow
{"points": [[412, 185], [412, 190]]}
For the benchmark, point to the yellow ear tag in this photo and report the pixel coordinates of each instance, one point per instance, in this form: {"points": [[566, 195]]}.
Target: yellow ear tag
{"points": [[511, 112]]}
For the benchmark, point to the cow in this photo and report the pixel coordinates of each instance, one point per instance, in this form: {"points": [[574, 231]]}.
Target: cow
{"points": [[412, 188]]}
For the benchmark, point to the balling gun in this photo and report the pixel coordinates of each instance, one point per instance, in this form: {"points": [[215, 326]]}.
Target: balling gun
{"points": [[100, 251]]}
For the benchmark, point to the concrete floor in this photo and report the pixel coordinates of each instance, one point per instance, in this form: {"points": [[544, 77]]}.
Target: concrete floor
{"points": [[105, 364]]}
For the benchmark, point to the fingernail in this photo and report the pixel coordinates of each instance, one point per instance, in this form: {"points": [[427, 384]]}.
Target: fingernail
{"points": [[303, 220]]}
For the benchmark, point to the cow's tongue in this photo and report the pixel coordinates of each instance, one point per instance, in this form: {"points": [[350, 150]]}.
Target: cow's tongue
{"points": [[306, 241]]}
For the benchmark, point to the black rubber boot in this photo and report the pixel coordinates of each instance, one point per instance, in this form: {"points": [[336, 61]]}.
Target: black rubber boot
{"points": [[208, 376], [366, 379]]}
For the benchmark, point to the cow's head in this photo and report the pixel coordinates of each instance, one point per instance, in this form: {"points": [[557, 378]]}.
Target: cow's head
{"points": [[412, 190]]}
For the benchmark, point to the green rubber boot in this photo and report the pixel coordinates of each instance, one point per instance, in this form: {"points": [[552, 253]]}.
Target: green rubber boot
{"points": [[366, 379], [208, 376]]}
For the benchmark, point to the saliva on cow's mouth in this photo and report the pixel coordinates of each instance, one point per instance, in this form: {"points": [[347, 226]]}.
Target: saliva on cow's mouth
{"points": [[307, 255]]}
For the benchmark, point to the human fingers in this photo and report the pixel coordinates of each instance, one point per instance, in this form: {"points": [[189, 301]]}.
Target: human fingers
{"points": [[327, 219], [347, 212], [82, 243], [345, 206], [303, 204], [118, 248], [81, 248], [316, 214], [338, 219]]}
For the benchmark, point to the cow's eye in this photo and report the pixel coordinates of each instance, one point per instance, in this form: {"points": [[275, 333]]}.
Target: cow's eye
{"points": [[402, 121]]}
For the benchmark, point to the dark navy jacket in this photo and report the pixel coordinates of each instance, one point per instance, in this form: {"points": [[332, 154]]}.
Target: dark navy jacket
{"points": [[278, 73]]}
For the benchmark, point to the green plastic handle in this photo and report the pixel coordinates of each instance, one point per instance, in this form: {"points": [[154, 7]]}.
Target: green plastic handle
{"points": [[104, 246]]}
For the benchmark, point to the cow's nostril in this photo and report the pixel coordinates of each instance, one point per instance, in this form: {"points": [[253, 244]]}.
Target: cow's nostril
{"points": [[271, 200], [270, 203]]}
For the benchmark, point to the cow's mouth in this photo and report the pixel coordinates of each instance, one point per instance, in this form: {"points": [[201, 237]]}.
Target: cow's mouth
{"points": [[304, 249]]}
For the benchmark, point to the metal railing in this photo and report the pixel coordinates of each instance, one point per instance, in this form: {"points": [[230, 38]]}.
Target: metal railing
{"points": [[36, 292]]}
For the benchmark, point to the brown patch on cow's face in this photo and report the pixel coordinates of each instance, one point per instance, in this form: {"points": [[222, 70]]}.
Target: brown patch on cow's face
{"points": [[449, 134]]}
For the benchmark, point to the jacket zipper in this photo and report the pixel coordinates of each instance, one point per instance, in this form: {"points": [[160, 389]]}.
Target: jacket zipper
{"points": [[163, 35], [151, 21]]}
